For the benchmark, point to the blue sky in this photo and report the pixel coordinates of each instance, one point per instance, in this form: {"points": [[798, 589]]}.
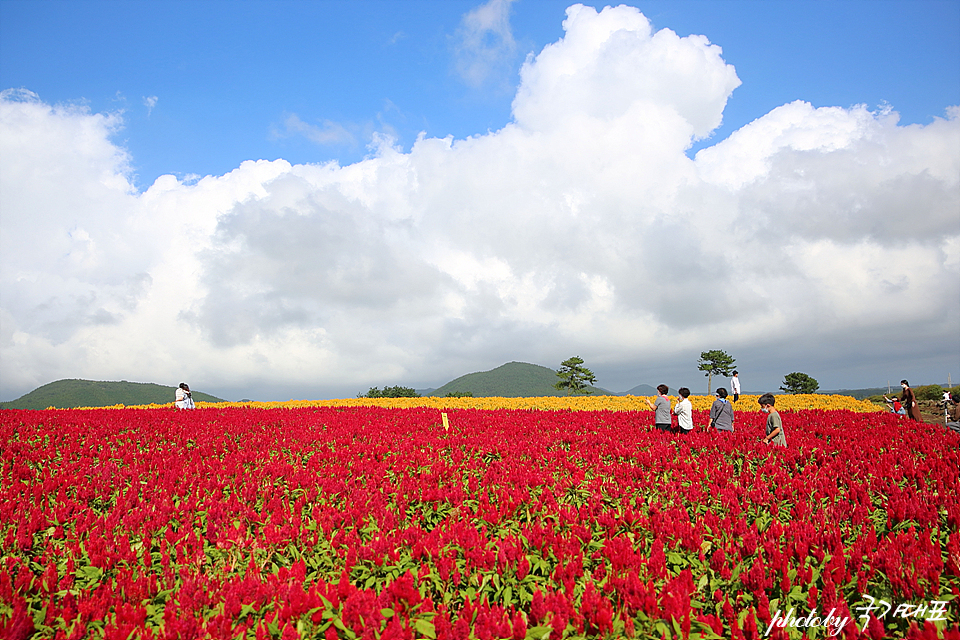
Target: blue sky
{"points": [[226, 75], [282, 200]]}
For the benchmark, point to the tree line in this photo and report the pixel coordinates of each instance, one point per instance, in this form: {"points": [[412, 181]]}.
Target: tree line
{"points": [[576, 378], [406, 392]]}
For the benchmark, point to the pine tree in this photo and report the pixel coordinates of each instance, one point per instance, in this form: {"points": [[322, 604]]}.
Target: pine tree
{"points": [[799, 383], [715, 362], [574, 377]]}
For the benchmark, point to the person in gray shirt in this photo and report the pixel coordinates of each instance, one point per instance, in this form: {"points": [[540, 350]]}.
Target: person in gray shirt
{"points": [[661, 406], [721, 413], [775, 434]]}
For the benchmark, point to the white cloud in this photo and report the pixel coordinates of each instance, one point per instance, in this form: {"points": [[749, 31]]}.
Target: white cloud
{"points": [[580, 227], [69, 254], [331, 133], [484, 43], [150, 103], [610, 65]]}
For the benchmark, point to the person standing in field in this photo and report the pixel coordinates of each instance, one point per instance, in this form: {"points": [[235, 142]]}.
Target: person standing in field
{"points": [[775, 434], [184, 399], [953, 414], [684, 411], [721, 413], [909, 401], [661, 407], [735, 386]]}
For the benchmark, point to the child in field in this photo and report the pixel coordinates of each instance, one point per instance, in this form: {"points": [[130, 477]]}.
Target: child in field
{"points": [[775, 434], [897, 408]]}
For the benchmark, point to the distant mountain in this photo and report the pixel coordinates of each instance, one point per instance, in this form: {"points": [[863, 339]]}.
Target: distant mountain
{"points": [[511, 380], [860, 394], [645, 390], [67, 394]]}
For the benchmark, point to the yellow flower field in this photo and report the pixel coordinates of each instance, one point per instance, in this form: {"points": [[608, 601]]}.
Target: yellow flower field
{"points": [[555, 403]]}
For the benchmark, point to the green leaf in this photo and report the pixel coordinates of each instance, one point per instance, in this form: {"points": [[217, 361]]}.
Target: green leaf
{"points": [[425, 627], [677, 627], [538, 633]]}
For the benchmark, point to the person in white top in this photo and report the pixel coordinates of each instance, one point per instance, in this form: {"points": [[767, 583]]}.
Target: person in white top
{"points": [[184, 397], [735, 386], [684, 411]]}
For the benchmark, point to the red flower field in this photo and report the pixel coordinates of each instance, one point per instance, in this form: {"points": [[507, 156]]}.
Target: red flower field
{"points": [[364, 522]]}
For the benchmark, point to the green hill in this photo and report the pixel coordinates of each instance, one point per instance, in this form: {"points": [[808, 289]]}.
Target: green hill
{"points": [[67, 394], [511, 380], [644, 390]]}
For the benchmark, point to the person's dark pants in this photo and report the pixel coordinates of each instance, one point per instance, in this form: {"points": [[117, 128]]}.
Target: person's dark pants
{"points": [[663, 427], [736, 397]]}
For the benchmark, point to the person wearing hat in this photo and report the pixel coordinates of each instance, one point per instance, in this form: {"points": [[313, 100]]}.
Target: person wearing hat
{"points": [[721, 412], [735, 386]]}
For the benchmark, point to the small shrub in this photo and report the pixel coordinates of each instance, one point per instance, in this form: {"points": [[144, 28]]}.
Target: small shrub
{"points": [[390, 392], [929, 392]]}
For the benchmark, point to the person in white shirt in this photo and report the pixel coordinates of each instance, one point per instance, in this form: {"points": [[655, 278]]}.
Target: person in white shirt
{"points": [[684, 411], [735, 386], [184, 397]]}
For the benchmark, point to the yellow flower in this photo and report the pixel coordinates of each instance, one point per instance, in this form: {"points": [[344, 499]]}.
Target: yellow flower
{"points": [[557, 403]]}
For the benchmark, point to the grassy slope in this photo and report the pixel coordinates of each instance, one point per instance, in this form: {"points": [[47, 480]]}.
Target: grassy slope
{"points": [[66, 394], [511, 380]]}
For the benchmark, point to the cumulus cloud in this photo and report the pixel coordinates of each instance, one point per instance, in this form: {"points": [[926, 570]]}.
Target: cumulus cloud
{"points": [[611, 65], [70, 254], [581, 226]]}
